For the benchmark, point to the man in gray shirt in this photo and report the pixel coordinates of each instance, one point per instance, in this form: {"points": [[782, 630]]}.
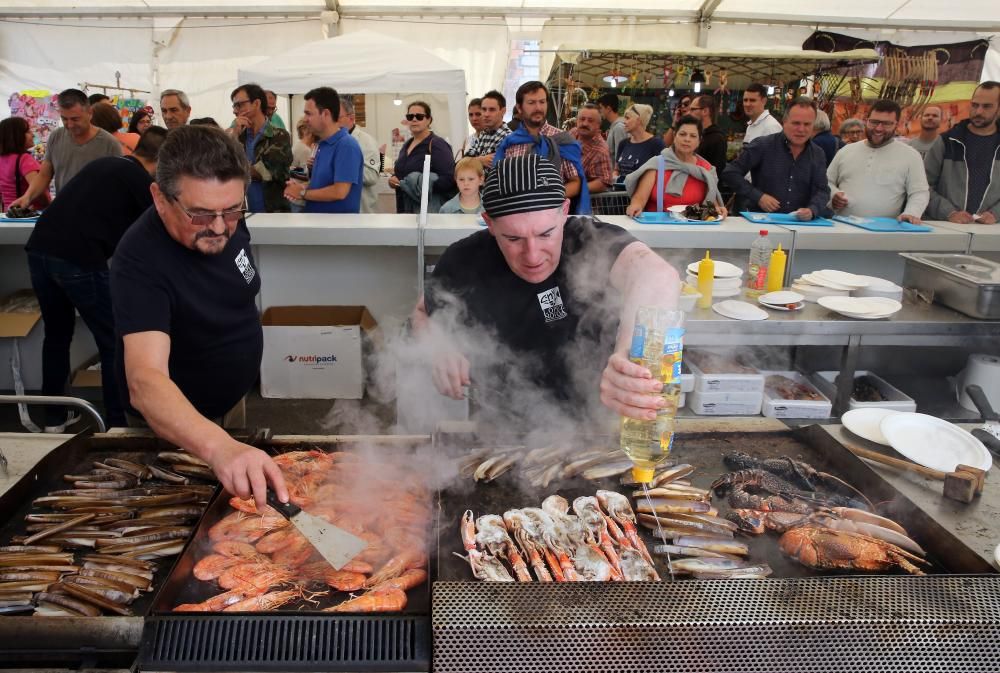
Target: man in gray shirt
{"points": [[608, 107], [71, 147], [930, 124]]}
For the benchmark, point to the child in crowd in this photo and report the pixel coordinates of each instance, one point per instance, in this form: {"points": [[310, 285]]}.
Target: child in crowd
{"points": [[469, 176]]}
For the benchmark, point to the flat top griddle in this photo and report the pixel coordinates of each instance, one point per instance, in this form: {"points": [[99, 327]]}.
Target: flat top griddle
{"points": [[705, 451]]}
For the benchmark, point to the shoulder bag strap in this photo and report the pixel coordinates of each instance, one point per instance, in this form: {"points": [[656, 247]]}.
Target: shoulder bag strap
{"points": [[659, 183]]}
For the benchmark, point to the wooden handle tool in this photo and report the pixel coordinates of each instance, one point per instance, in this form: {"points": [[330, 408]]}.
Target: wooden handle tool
{"points": [[963, 485]]}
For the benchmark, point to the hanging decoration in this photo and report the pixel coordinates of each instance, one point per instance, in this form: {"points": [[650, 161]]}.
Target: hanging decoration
{"points": [[40, 109]]}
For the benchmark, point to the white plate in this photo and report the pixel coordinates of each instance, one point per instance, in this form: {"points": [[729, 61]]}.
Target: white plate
{"points": [[861, 307], [934, 443], [842, 278], [996, 552], [798, 306], [864, 422], [677, 209], [879, 284], [722, 269], [724, 292], [720, 283], [739, 310], [780, 298], [817, 280]]}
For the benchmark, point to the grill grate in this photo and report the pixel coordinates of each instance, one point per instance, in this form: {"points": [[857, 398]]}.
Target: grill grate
{"points": [[285, 643], [930, 624]]}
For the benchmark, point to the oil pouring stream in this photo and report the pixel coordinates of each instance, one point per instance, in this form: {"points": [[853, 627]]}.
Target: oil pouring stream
{"points": [[657, 344]]}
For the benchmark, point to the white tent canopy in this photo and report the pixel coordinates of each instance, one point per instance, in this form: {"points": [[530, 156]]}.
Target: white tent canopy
{"points": [[365, 62]]}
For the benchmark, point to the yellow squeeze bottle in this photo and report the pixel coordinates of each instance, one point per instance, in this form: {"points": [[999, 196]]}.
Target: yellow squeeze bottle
{"points": [[706, 278], [776, 270]]}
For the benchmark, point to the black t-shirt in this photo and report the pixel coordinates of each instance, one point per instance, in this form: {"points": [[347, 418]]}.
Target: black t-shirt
{"points": [[205, 303], [91, 213], [979, 154], [713, 147], [545, 341], [632, 155]]}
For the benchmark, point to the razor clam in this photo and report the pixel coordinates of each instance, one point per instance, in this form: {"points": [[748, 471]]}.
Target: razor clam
{"points": [[22, 558], [607, 469], [69, 603], [116, 596], [25, 585], [185, 511], [672, 505], [140, 583], [143, 565], [25, 575], [710, 519], [174, 457], [9, 600], [670, 495], [672, 488], [676, 472], [589, 459], [694, 527], [91, 597], [156, 550], [135, 469], [30, 549], [196, 471], [544, 455], [58, 528], [494, 467], [754, 572], [636, 568], [167, 475], [717, 544], [673, 550], [104, 583], [692, 565]]}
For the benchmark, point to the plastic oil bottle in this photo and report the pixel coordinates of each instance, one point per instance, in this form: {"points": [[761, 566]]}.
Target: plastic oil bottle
{"points": [[760, 258], [657, 344]]}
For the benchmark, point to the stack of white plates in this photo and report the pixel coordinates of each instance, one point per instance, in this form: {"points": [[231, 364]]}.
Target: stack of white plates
{"points": [[739, 310], [782, 300], [862, 308], [728, 280], [879, 287], [813, 292], [828, 283]]}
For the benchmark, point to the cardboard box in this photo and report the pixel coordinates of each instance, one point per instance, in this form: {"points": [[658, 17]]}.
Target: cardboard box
{"points": [[19, 323], [778, 407], [18, 329], [315, 352], [85, 377]]}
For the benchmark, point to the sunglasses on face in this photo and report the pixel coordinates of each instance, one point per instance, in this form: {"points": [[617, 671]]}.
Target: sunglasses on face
{"points": [[416, 116], [202, 220]]}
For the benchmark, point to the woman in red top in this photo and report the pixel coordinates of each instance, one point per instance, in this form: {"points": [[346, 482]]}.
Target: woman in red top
{"points": [[687, 179]]}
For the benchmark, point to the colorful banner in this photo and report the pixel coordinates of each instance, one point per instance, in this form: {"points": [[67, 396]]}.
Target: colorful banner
{"points": [[40, 109]]}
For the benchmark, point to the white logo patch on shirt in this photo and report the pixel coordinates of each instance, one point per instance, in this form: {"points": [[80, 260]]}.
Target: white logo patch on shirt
{"points": [[551, 304], [245, 267]]}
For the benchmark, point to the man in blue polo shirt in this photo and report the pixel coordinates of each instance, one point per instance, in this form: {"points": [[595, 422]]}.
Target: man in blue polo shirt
{"points": [[335, 180]]}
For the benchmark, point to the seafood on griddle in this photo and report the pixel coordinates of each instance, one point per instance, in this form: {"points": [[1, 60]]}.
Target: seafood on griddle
{"points": [[826, 549], [800, 474], [544, 465]]}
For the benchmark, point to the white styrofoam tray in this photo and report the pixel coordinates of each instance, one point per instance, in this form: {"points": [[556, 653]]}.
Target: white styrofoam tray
{"points": [[725, 403], [895, 399], [777, 407], [732, 383]]}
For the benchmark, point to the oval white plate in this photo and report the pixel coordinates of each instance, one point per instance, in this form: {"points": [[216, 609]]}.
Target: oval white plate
{"points": [[677, 209], [865, 423], [723, 292], [739, 310], [842, 278], [934, 443], [722, 269], [816, 280], [880, 284], [780, 298], [717, 283]]}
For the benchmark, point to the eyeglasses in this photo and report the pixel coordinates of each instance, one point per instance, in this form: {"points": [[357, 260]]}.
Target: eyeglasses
{"points": [[884, 124], [416, 116], [237, 104], [691, 108], [202, 220]]}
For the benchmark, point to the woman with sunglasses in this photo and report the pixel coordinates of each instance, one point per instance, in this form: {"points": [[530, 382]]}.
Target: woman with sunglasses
{"points": [[409, 165], [681, 111]]}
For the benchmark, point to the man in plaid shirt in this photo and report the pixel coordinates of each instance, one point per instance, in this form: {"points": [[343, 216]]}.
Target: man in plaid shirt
{"points": [[533, 106], [596, 157], [493, 106]]}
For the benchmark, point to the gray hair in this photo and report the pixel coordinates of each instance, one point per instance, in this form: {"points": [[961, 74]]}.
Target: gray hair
{"points": [[201, 153], [822, 122], [347, 105], [181, 96], [850, 124]]}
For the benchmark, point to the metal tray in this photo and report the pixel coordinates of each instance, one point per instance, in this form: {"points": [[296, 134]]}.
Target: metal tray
{"points": [[966, 283]]}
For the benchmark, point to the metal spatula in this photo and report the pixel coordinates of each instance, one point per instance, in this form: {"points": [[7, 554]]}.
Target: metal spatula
{"points": [[334, 544], [989, 434]]}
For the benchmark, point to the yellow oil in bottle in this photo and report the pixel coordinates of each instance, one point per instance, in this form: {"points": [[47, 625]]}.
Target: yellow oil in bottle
{"points": [[656, 345]]}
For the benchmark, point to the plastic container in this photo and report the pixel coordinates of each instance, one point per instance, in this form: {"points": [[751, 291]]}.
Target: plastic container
{"points": [[725, 404], [895, 399], [721, 382], [706, 280], [776, 270], [776, 406], [760, 258]]}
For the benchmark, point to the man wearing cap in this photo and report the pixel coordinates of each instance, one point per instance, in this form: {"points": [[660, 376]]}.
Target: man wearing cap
{"points": [[528, 310]]}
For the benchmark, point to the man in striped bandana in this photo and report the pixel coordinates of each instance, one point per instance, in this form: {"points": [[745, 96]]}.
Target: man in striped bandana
{"points": [[550, 290]]}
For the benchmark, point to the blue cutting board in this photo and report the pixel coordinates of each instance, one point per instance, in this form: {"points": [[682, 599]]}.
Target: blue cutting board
{"points": [[668, 218], [881, 224], [785, 219], [21, 220]]}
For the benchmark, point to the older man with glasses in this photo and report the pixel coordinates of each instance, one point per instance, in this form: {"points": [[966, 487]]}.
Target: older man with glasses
{"points": [[879, 177], [183, 288]]}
